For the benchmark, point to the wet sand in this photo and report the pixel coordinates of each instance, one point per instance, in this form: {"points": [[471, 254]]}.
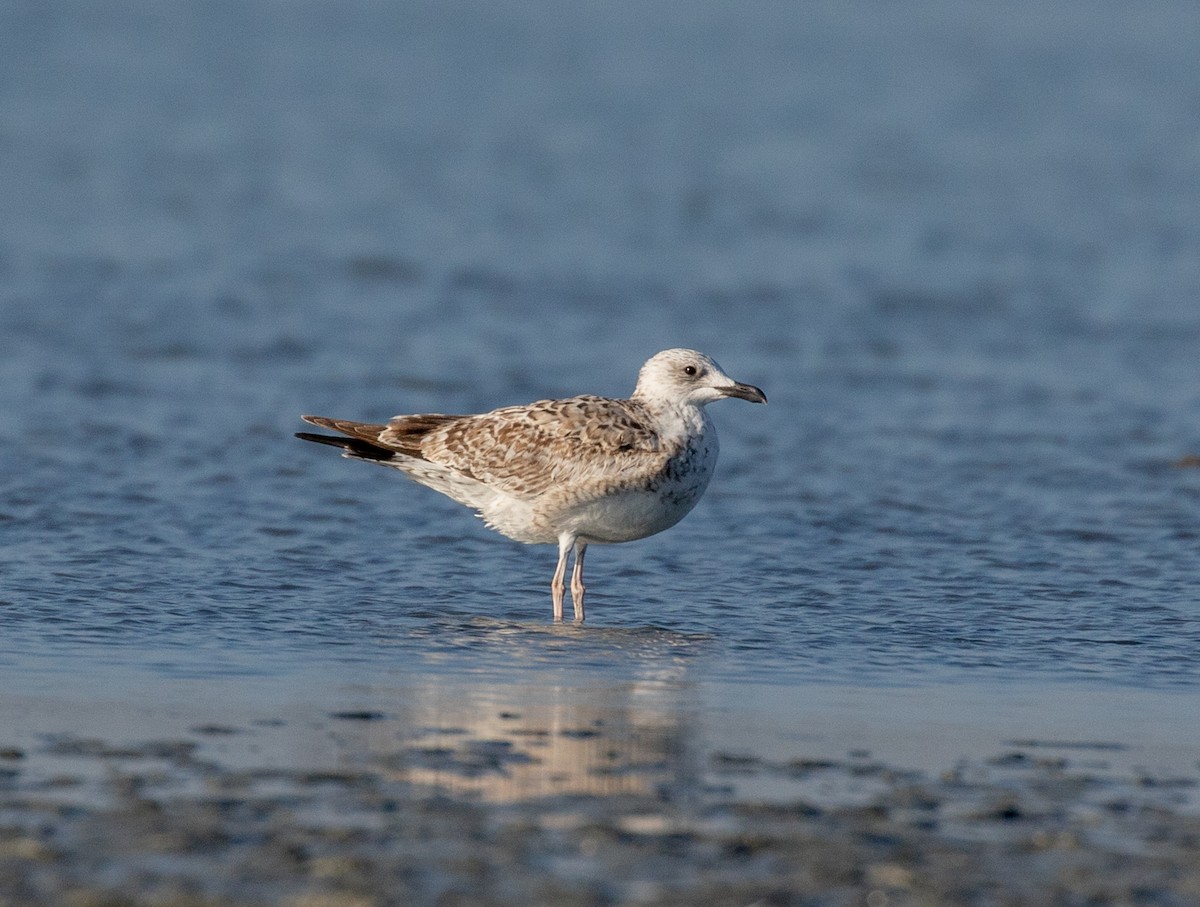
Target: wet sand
{"points": [[451, 793]]}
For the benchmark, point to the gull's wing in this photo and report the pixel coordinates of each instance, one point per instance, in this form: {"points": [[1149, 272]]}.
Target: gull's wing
{"points": [[526, 450], [370, 441]]}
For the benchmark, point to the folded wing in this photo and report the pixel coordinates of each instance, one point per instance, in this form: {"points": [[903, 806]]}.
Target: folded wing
{"points": [[526, 450]]}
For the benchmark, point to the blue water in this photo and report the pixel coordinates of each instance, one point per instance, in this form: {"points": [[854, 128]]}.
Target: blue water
{"points": [[956, 246]]}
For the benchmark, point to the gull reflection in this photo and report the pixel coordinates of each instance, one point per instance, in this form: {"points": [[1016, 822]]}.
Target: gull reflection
{"points": [[516, 742]]}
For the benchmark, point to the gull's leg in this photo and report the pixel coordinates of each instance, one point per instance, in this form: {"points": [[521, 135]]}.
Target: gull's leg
{"points": [[560, 572], [577, 589]]}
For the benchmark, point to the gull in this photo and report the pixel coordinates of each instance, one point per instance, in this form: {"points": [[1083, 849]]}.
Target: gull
{"points": [[572, 472]]}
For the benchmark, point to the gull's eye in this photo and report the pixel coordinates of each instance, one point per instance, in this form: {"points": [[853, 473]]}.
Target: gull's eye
{"points": [[690, 371]]}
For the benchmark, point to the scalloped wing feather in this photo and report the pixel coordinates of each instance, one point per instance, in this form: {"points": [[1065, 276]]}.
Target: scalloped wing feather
{"points": [[595, 443]]}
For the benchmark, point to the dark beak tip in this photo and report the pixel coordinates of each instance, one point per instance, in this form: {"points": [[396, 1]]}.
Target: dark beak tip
{"points": [[748, 392]]}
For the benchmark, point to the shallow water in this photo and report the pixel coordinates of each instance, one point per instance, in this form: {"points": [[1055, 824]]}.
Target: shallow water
{"points": [[956, 248], [933, 632]]}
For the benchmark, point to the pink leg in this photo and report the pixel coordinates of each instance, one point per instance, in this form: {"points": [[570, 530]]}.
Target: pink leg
{"points": [[556, 584], [577, 588]]}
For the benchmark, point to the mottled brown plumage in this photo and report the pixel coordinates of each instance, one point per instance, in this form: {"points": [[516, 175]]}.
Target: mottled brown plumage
{"points": [[573, 471]]}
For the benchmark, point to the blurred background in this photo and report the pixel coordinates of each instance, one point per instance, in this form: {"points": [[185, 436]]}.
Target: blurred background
{"points": [[955, 243]]}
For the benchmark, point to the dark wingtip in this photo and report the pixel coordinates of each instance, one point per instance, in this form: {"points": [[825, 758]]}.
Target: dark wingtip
{"points": [[353, 446], [320, 439]]}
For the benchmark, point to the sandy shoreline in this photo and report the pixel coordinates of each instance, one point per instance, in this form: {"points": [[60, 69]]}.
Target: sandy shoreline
{"points": [[429, 792]]}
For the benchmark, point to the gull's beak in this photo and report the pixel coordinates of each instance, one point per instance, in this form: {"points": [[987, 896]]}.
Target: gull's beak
{"points": [[745, 392]]}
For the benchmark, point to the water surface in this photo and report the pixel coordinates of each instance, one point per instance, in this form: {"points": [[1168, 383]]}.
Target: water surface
{"points": [[955, 246]]}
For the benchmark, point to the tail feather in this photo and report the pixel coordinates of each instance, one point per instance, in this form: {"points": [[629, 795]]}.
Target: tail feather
{"points": [[358, 439], [400, 438], [355, 447]]}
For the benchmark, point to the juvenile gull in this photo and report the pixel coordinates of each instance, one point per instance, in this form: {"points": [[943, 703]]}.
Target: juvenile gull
{"points": [[567, 472]]}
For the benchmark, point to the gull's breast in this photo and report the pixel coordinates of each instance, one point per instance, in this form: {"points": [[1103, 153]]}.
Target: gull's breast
{"points": [[644, 508]]}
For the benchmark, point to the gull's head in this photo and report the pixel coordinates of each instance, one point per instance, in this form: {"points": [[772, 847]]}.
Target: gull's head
{"points": [[690, 378]]}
